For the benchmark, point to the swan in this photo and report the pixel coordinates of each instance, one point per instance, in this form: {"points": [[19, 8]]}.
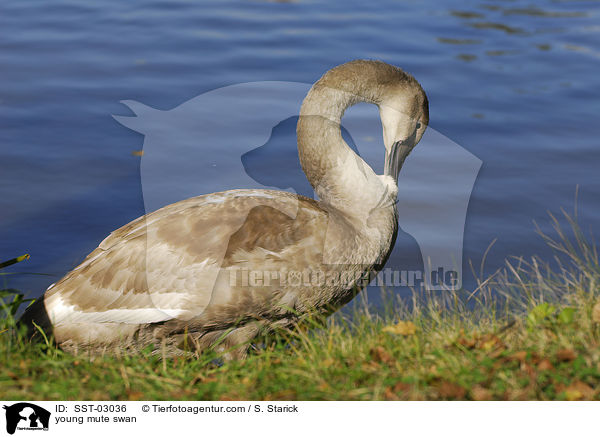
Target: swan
{"points": [[218, 269]]}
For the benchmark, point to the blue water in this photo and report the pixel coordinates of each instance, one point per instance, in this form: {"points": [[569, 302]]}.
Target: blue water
{"points": [[515, 83]]}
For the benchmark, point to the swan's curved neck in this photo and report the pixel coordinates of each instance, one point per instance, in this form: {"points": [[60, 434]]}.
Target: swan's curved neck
{"points": [[338, 175]]}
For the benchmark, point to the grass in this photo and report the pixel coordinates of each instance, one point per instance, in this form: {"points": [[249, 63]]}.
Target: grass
{"points": [[531, 331]]}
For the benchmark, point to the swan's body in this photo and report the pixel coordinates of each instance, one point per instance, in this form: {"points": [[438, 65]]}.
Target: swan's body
{"points": [[185, 269]]}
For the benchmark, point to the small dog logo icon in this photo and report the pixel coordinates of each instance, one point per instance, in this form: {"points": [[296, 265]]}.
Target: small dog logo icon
{"points": [[26, 416]]}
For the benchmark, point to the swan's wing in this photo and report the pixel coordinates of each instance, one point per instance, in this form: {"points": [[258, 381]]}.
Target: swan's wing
{"points": [[167, 265]]}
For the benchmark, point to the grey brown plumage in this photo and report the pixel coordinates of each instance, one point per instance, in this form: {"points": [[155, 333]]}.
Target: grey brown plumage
{"points": [[179, 270]]}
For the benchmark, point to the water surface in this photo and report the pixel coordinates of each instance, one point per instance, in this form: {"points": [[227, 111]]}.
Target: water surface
{"points": [[514, 83]]}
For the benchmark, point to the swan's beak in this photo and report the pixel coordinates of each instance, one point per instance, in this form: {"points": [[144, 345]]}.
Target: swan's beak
{"points": [[396, 157]]}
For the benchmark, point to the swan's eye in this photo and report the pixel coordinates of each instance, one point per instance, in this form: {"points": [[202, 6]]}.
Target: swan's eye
{"points": [[418, 125]]}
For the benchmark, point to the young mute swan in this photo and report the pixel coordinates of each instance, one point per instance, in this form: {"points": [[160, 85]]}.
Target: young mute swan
{"points": [[220, 268]]}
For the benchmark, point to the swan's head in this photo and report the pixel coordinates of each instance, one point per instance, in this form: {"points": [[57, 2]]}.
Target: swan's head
{"points": [[404, 112], [403, 109]]}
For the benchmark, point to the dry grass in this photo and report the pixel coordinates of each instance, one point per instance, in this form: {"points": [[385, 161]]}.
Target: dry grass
{"points": [[530, 331]]}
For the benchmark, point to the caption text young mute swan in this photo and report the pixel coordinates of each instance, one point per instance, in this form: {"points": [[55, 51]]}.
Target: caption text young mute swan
{"points": [[222, 267]]}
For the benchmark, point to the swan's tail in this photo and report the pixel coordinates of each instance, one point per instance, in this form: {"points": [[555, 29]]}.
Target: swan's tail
{"points": [[35, 318]]}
